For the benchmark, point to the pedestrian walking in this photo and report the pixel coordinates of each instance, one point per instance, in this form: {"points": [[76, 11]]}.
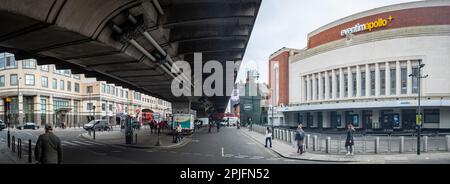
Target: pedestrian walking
{"points": [[210, 126], [299, 137], [48, 148], [269, 136], [179, 131], [218, 126], [349, 142]]}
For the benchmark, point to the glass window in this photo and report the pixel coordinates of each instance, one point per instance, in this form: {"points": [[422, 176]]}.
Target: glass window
{"points": [[29, 64], [69, 86], [345, 85], [113, 90], [110, 106], [2, 62], [44, 68], [393, 81], [67, 73], [103, 88], [61, 85], [13, 80], [311, 89], [323, 87], [431, 116], [60, 103], [108, 89], [44, 82], [76, 76], [117, 91], [103, 106], [10, 61], [89, 89], [372, 83], [338, 86], [126, 94], [404, 75], [383, 82], [317, 88], [89, 106], [354, 84], [363, 83], [415, 80], [2, 81], [77, 87], [330, 80], [54, 84]]}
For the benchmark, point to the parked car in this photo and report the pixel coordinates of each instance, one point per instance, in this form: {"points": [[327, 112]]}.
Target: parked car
{"points": [[28, 125], [2, 125], [97, 125]]}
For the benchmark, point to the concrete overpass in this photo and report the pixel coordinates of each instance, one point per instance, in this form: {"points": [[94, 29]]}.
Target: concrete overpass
{"points": [[130, 43]]}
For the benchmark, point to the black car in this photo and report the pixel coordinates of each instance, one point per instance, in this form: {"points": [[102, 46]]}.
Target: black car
{"points": [[2, 125], [98, 125]]}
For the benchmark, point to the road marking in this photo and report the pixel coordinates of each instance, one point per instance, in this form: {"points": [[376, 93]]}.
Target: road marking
{"points": [[195, 141], [241, 156], [256, 157], [273, 159], [70, 143], [251, 143], [228, 155], [116, 151], [288, 160], [151, 151], [96, 143], [79, 142]]}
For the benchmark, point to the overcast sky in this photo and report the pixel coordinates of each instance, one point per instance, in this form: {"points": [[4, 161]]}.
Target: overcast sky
{"points": [[286, 23]]}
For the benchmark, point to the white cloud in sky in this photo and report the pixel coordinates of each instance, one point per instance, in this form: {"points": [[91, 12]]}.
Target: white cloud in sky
{"points": [[286, 23]]}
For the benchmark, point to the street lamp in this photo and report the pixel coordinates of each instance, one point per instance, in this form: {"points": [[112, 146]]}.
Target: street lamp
{"points": [[18, 101], [418, 76]]}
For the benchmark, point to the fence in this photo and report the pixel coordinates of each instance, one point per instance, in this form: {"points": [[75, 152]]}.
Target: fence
{"points": [[335, 144]]}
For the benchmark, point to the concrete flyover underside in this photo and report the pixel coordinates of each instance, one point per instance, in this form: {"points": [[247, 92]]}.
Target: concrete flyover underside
{"points": [[125, 41]]}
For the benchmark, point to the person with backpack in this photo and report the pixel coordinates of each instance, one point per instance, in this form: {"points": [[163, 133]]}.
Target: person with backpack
{"points": [[269, 136], [299, 137], [349, 140]]}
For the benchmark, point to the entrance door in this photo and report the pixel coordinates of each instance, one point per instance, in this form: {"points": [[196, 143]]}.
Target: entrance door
{"points": [[408, 118], [367, 120], [387, 119]]}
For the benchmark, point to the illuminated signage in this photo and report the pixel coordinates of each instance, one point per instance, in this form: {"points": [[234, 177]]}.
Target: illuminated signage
{"points": [[381, 22]]}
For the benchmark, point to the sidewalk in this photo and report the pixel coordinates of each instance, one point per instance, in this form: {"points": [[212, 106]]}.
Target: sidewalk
{"points": [[290, 151], [9, 157], [145, 139]]}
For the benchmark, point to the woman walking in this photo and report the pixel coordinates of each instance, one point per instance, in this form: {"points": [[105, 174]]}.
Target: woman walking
{"points": [[349, 142]]}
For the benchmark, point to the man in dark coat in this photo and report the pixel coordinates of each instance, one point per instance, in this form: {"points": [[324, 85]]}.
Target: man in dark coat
{"points": [[48, 148]]}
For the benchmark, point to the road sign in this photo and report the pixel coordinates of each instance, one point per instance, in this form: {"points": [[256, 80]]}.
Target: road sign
{"points": [[419, 119]]}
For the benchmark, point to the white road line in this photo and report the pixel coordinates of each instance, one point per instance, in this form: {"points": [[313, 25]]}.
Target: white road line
{"points": [[228, 155], [79, 142], [256, 157], [273, 159], [241, 156], [96, 143], [69, 143], [287, 160]]}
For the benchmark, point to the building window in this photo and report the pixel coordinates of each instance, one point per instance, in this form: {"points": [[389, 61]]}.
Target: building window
{"points": [[126, 94], [110, 106], [117, 91], [7, 61], [69, 86], [323, 88], [43, 111], [90, 106], [415, 80], [13, 80], [345, 85], [76, 76], [67, 73], [354, 84], [103, 106], [121, 93], [77, 87], [89, 89], [338, 84], [317, 88], [363, 83], [44, 68], [29, 80], [29, 64], [330, 80], [310, 90], [59, 103], [372, 83], [103, 88], [75, 106], [113, 90], [44, 82], [108, 90], [54, 84], [393, 81], [2, 81], [383, 82], [404, 83], [431, 116], [61, 85]]}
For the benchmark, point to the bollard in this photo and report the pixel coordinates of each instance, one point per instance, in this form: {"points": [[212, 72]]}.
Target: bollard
{"points": [[307, 141], [14, 143], [135, 138], [425, 143], [94, 134], [9, 139], [314, 143], [30, 153], [19, 148], [377, 145], [289, 136], [327, 145], [283, 135], [447, 139], [402, 144], [293, 139]]}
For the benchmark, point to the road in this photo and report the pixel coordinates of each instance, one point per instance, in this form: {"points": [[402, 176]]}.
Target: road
{"points": [[205, 148]]}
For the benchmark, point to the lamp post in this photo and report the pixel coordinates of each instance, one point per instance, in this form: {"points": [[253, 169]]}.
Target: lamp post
{"points": [[18, 101], [418, 76]]}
